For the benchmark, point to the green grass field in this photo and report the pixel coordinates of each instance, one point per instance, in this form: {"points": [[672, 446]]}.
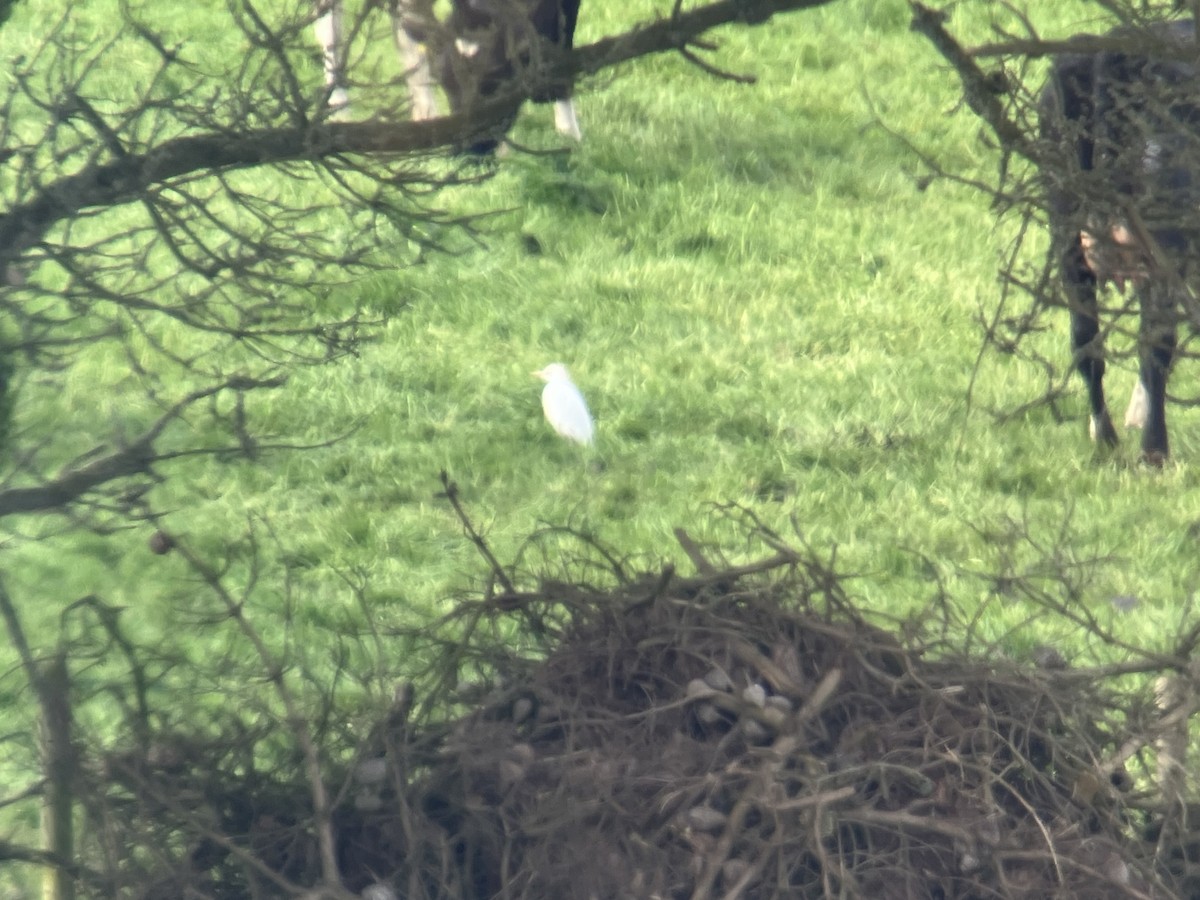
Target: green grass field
{"points": [[761, 307]]}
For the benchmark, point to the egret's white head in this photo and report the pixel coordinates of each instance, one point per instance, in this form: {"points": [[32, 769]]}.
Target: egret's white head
{"points": [[553, 372]]}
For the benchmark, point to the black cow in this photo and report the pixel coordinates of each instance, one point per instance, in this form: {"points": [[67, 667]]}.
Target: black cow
{"points": [[1124, 208], [481, 47]]}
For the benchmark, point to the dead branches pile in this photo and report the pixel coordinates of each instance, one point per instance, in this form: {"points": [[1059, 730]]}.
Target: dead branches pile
{"points": [[742, 733]]}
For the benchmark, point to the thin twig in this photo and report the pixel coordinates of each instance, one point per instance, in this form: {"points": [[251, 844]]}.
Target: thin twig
{"points": [[450, 493], [137, 457], [297, 721]]}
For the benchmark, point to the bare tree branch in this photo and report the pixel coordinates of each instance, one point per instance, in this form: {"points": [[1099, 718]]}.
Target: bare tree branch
{"points": [[982, 91], [136, 458], [130, 176], [297, 720]]}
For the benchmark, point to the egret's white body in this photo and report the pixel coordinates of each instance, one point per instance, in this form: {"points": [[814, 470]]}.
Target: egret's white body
{"points": [[564, 406]]}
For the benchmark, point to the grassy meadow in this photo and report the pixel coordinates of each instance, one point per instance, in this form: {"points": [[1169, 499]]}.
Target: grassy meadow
{"points": [[762, 308]]}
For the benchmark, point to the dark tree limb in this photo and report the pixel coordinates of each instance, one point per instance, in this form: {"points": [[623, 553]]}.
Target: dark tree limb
{"points": [[982, 91], [275, 669], [135, 458], [11, 852], [130, 176], [51, 685], [710, 69]]}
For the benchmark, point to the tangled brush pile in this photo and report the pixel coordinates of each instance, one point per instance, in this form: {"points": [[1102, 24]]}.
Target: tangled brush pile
{"points": [[744, 733]]}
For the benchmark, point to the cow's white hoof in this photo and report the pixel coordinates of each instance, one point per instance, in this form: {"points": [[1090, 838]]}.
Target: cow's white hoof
{"points": [[338, 104], [423, 105]]}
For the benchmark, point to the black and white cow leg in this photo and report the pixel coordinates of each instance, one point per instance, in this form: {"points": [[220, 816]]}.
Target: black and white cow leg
{"points": [[565, 121], [417, 72], [1100, 424], [1086, 341], [328, 29], [1139, 404], [1156, 343]]}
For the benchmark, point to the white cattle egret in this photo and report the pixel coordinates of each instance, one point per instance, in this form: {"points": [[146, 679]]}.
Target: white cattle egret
{"points": [[564, 406]]}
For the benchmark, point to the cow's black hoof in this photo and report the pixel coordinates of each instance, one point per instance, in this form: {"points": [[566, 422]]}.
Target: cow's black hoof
{"points": [[1155, 459], [1103, 432]]}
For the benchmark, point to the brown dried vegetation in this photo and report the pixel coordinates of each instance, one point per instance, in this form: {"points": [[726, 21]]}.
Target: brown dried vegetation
{"points": [[741, 733]]}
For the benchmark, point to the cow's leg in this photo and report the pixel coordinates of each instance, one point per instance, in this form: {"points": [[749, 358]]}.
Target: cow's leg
{"points": [[413, 57], [1156, 350], [328, 29], [1086, 345], [565, 122], [1139, 401]]}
